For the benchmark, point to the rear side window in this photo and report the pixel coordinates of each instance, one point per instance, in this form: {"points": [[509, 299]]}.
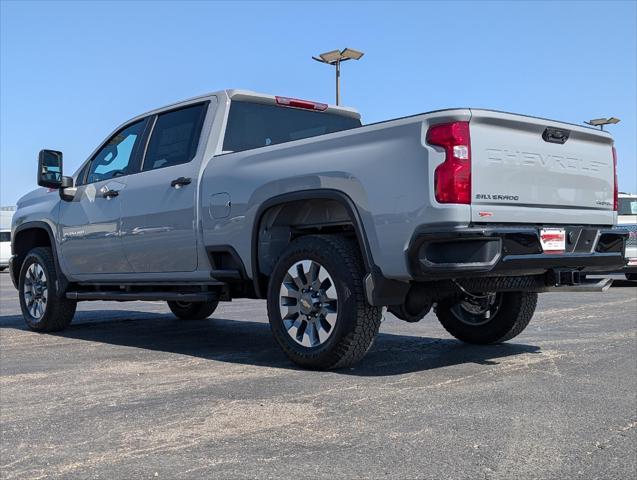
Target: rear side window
{"points": [[175, 138], [254, 125], [5, 236]]}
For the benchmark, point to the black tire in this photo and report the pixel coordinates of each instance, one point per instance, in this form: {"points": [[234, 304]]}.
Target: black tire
{"points": [[632, 277], [58, 310], [356, 322], [514, 312], [193, 310]]}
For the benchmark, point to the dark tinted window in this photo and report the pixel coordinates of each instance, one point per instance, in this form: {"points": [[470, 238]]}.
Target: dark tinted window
{"points": [[115, 158], [5, 236], [175, 137], [627, 206], [254, 125]]}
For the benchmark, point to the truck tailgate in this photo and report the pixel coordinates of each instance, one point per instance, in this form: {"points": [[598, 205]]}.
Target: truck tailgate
{"points": [[532, 170]]}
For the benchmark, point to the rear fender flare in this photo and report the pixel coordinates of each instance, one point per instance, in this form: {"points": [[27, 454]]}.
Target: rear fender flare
{"points": [[313, 194]]}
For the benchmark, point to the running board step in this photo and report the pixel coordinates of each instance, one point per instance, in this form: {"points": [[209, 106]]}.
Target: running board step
{"points": [[226, 275], [144, 296]]}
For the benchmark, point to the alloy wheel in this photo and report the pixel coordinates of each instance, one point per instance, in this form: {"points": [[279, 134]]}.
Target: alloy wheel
{"points": [[35, 290], [308, 303], [476, 310]]}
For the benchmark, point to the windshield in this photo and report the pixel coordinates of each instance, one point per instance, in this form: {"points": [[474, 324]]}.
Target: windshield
{"points": [[627, 206], [254, 125]]}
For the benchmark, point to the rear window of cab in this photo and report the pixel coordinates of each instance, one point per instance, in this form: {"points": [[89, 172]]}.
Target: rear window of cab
{"points": [[254, 125]]}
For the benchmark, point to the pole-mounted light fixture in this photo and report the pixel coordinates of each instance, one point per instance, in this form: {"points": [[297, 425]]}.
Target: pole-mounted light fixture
{"points": [[600, 122], [335, 57]]}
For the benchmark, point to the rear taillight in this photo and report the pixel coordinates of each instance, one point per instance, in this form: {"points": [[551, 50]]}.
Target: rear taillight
{"points": [[452, 178], [616, 189], [296, 103]]}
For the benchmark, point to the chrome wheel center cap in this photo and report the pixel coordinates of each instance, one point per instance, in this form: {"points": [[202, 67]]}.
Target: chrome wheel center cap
{"points": [[308, 303]]}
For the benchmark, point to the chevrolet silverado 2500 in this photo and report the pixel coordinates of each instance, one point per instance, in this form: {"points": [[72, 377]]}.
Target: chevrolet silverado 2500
{"points": [[237, 194]]}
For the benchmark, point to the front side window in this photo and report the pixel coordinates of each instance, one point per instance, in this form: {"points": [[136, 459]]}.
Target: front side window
{"points": [[175, 137], [81, 176], [115, 158]]}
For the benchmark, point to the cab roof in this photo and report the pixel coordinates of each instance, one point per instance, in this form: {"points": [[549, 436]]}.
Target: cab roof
{"points": [[248, 95]]}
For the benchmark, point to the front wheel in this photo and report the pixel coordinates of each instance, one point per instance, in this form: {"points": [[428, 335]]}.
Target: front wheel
{"points": [[43, 308], [488, 317], [316, 303], [632, 277], [192, 310]]}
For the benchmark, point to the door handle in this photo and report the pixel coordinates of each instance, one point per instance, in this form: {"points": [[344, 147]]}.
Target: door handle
{"points": [[110, 193], [180, 182]]}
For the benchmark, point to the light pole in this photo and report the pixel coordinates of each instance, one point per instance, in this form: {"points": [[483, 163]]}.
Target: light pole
{"points": [[600, 122], [335, 57]]}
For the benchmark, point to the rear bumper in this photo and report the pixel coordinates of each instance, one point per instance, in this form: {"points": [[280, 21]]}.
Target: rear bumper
{"points": [[511, 250]]}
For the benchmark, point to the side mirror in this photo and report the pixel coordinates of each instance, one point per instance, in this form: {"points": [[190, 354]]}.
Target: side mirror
{"points": [[50, 170]]}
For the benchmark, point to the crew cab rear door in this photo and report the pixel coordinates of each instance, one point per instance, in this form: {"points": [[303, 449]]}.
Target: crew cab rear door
{"points": [[532, 170]]}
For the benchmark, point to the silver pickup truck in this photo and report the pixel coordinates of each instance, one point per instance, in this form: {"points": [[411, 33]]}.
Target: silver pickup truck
{"points": [[238, 194]]}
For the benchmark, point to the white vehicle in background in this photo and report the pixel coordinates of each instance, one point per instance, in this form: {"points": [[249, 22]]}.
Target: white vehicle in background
{"points": [[5, 249], [6, 213], [627, 219]]}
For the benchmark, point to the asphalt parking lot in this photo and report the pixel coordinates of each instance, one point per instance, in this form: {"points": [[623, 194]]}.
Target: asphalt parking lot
{"points": [[129, 392]]}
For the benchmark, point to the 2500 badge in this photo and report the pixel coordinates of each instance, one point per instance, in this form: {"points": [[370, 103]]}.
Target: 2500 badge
{"points": [[488, 196]]}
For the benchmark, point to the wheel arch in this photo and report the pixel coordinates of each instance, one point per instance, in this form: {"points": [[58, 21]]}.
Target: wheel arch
{"points": [[28, 236], [337, 203]]}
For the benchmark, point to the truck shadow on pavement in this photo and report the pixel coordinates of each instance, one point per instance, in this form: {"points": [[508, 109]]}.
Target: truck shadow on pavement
{"points": [[624, 283], [251, 343]]}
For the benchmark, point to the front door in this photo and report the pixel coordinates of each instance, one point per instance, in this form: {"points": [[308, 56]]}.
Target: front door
{"points": [[90, 223], [159, 228]]}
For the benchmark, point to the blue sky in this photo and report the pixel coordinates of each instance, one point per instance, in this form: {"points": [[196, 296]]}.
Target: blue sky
{"points": [[72, 71]]}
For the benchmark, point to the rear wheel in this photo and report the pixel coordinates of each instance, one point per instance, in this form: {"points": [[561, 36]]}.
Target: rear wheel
{"points": [[193, 310], [316, 303], [488, 317], [43, 308]]}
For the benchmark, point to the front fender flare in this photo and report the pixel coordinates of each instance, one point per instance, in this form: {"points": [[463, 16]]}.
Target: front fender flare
{"points": [[62, 281]]}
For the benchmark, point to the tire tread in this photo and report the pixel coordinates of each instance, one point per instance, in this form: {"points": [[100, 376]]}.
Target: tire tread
{"points": [[517, 315], [197, 310]]}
